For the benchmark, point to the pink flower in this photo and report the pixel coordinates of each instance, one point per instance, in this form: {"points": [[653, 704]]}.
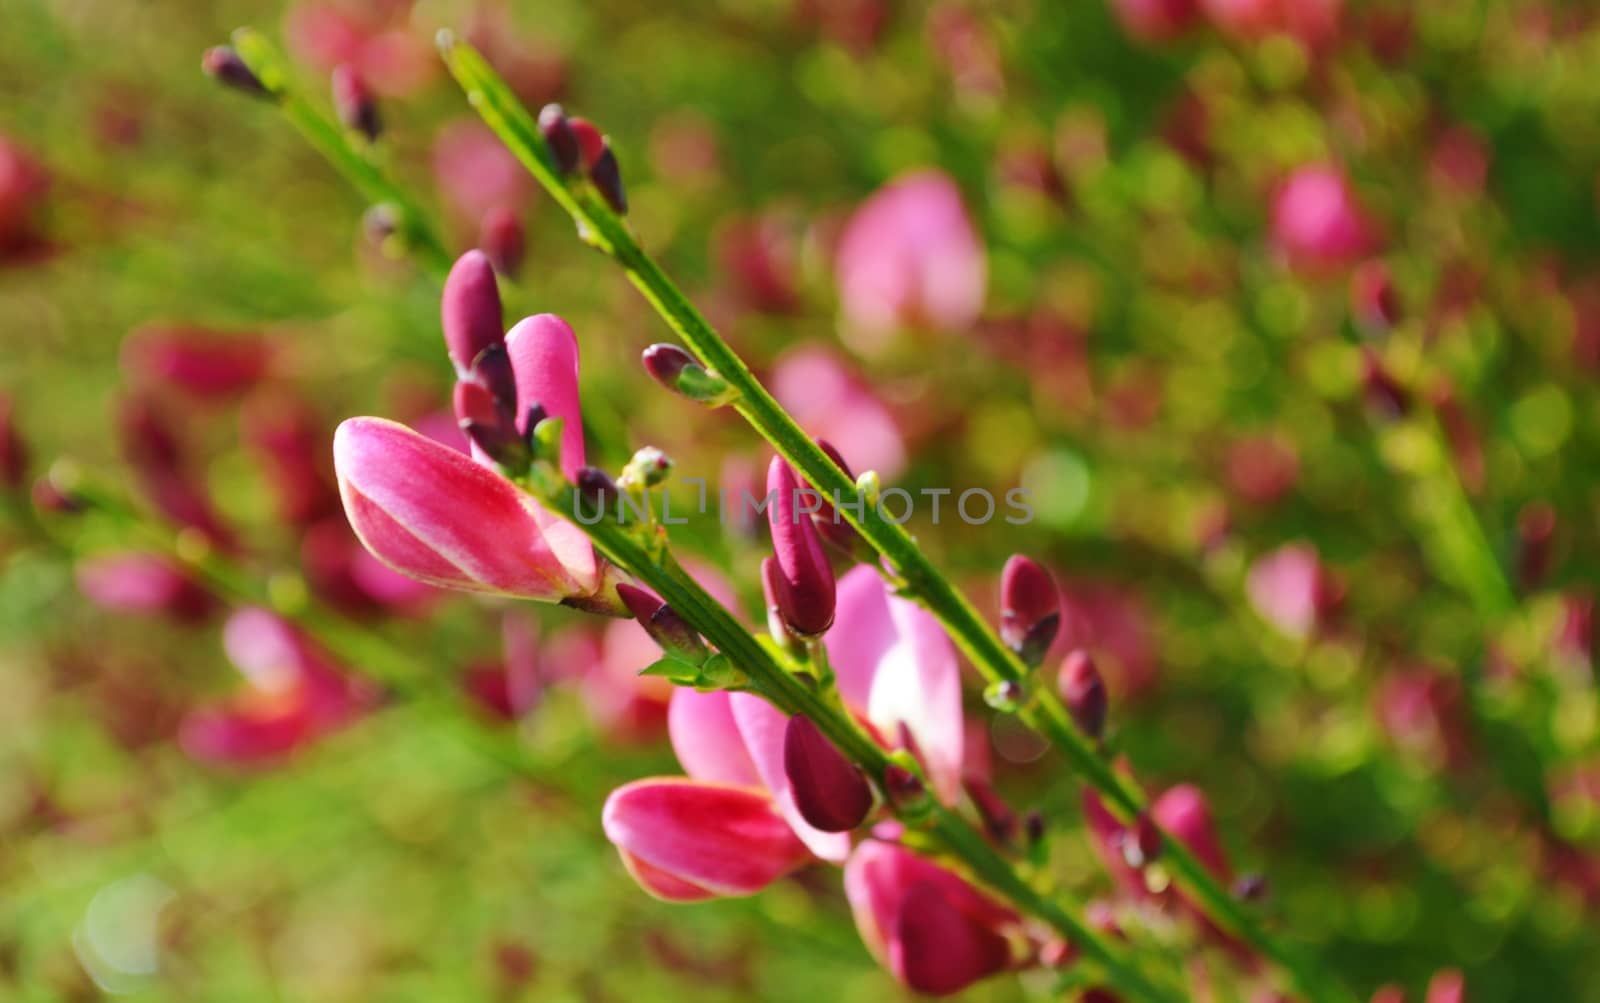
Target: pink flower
{"points": [[1317, 223], [440, 517], [23, 184], [929, 927], [143, 583], [201, 362], [477, 173], [444, 518], [1291, 590], [373, 37], [1154, 20], [830, 402], [295, 695], [680, 836], [909, 257], [896, 665]]}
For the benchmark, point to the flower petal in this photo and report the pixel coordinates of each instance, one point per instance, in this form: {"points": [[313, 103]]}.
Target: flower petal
{"points": [[762, 726], [706, 738], [720, 839], [432, 513]]}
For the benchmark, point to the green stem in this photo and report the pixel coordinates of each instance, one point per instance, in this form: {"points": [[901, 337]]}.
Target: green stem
{"points": [[349, 156], [793, 694], [606, 231]]}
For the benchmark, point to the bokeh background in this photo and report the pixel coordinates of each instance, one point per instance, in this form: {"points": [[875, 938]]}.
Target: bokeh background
{"points": [[1313, 465]]}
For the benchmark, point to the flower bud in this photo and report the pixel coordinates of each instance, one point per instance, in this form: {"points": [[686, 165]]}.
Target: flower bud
{"points": [[664, 625], [469, 311], [1030, 609], [771, 583], [1142, 846], [806, 593], [677, 370], [648, 467], [559, 137], [589, 141], [222, 64], [830, 791], [829, 523], [353, 102], [490, 427], [903, 787], [606, 176], [596, 487], [1084, 693], [500, 234]]}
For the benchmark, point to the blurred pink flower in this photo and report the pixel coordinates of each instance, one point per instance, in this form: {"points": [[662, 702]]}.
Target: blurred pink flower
{"points": [[1155, 20], [374, 37], [1114, 625], [136, 582], [931, 929], [165, 472], [1317, 223], [622, 703], [1422, 711], [341, 572], [294, 695], [909, 258], [1262, 468], [680, 836], [476, 173], [830, 402], [760, 254], [204, 363], [23, 184], [1291, 590]]}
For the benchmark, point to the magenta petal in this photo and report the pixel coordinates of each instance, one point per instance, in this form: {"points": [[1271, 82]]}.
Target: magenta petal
{"points": [[763, 726], [894, 661], [807, 595], [938, 949], [722, 840], [878, 878], [1447, 987], [706, 738], [544, 358], [1183, 813], [830, 792], [241, 736], [432, 513]]}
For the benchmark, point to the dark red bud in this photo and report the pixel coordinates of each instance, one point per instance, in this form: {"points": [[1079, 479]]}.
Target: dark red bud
{"points": [[829, 522], [1033, 826], [1030, 609], [597, 487], [901, 785], [559, 137], [806, 593], [353, 102], [829, 791], [590, 143], [1084, 693], [222, 64], [489, 425], [501, 236], [665, 363], [606, 176], [469, 310], [664, 625], [941, 949]]}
